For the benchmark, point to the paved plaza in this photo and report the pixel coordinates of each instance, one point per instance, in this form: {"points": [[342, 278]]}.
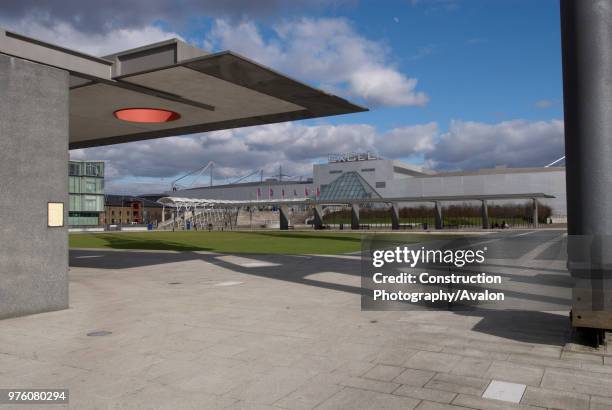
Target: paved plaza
{"points": [[200, 330]]}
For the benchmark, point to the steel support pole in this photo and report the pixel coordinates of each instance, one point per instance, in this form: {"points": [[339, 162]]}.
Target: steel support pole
{"points": [[485, 215], [355, 224], [318, 216], [395, 221], [283, 213], [586, 30], [535, 212], [438, 211]]}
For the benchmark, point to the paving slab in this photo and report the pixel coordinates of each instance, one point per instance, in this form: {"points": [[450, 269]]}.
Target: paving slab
{"points": [[475, 402], [556, 399], [469, 366], [578, 381], [309, 395], [516, 373], [600, 403], [434, 361], [431, 405], [357, 399], [414, 377], [383, 372], [425, 394], [369, 384], [458, 384]]}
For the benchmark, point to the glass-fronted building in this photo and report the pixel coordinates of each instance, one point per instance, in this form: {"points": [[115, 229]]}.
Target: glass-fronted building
{"points": [[86, 189]]}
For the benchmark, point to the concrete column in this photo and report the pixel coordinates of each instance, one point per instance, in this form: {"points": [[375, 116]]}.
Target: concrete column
{"points": [[438, 211], [535, 213], [586, 30], [163, 214], [283, 213], [485, 215], [33, 173], [355, 216], [318, 216], [395, 220]]}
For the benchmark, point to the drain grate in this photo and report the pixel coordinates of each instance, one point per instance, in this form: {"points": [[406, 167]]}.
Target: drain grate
{"points": [[99, 333], [174, 283]]}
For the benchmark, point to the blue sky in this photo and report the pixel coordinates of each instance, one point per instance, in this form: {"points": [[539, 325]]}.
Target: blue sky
{"points": [[451, 84], [480, 60]]}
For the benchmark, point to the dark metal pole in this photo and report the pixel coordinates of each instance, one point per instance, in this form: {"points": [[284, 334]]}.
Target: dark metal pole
{"points": [[534, 210], [587, 88], [438, 213], [283, 213], [586, 29], [355, 223], [395, 219], [318, 216], [485, 215]]}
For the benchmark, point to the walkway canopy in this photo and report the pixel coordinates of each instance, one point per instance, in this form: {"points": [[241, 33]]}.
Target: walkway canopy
{"points": [[180, 202], [185, 90], [226, 203]]}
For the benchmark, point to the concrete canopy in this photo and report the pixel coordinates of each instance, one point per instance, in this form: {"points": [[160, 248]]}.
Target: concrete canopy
{"points": [[209, 91]]}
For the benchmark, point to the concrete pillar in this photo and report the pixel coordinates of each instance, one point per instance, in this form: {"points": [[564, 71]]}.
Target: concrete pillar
{"points": [[163, 214], [438, 212], [33, 173], [535, 213], [395, 220], [355, 216], [318, 216], [485, 215], [283, 213], [586, 30]]}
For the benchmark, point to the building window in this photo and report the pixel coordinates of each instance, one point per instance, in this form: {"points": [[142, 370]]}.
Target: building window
{"points": [[73, 168], [368, 169], [90, 186], [381, 185], [93, 169], [335, 171]]}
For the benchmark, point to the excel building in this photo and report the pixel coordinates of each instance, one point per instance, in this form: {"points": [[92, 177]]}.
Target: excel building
{"points": [[86, 193]]}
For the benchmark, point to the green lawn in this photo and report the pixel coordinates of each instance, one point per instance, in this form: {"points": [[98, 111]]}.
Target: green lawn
{"points": [[229, 242]]}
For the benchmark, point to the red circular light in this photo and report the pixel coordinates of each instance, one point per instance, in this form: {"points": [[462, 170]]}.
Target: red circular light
{"points": [[150, 115]]}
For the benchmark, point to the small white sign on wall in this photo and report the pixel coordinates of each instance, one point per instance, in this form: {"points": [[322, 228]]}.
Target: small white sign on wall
{"points": [[55, 214]]}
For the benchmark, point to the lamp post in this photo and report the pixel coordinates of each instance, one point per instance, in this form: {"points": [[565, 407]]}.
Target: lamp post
{"points": [[586, 28]]}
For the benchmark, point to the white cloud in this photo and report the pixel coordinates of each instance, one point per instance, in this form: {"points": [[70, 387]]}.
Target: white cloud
{"points": [[103, 16], [327, 51], [240, 151], [94, 43], [518, 143], [466, 145], [544, 104], [408, 141]]}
